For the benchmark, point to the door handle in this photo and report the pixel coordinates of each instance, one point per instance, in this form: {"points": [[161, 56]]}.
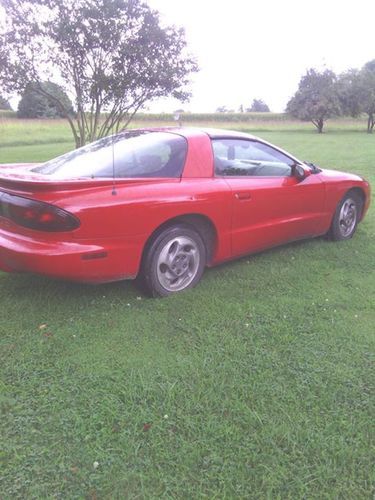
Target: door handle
{"points": [[242, 196]]}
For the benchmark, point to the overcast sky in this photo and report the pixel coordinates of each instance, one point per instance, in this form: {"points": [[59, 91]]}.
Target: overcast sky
{"points": [[259, 49], [250, 49]]}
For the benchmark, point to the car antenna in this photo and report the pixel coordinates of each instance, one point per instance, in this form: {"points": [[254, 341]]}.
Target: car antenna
{"points": [[114, 192]]}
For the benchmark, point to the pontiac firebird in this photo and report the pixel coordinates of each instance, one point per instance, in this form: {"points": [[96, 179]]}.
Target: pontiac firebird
{"points": [[162, 204]]}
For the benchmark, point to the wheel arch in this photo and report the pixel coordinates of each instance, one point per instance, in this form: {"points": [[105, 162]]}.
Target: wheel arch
{"points": [[201, 223], [359, 192]]}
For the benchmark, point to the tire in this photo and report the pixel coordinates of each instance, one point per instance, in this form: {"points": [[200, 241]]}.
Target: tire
{"points": [[173, 262], [346, 217]]}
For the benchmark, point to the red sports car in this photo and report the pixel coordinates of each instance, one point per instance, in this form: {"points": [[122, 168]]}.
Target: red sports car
{"points": [[162, 204]]}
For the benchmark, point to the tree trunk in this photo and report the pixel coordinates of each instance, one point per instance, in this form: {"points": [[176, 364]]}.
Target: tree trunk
{"points": [[319, 124], [370, 123]]}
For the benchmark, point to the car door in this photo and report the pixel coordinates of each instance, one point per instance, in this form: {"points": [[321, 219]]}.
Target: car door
{"points": [[270, 205]]}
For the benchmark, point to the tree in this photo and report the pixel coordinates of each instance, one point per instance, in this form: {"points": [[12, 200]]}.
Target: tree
{"points": [[4, 104], [356, 92], [316, 99], [36, 105], [258, 106], [111, 56], [366, 90], [347, 87], [222, 109]]}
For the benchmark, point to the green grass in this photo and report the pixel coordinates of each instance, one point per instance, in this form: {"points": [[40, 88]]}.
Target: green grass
{"points": [[258, 383], [40, 140]]}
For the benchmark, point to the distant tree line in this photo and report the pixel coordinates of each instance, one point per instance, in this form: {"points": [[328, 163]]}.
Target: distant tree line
{"points": [[257, 106], [322, 95]]}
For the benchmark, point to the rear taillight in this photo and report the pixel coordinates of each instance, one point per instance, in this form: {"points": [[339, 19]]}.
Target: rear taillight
{"points": [[36, 214]]}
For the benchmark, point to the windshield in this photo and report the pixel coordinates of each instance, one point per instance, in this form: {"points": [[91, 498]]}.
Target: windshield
{"points": [[131, 154]]}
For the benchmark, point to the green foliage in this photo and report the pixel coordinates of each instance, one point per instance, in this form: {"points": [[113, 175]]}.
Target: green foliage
{"points": [[356, 91], [347, 87], [222, 109], [4, 104], [316, 99], [370, 66], [258, 106], [219, 116], [113, 56], [34, 104], [366, 92]]}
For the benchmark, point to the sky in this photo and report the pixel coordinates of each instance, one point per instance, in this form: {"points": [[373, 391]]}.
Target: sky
{"points": [[250, 49], [260, 49]]}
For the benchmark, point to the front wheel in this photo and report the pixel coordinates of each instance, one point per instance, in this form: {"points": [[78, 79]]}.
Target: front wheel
{"points": [[346, 217], [174, 261]]}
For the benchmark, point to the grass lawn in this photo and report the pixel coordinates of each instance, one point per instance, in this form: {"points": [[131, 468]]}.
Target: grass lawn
{"points": [[259, 383]]}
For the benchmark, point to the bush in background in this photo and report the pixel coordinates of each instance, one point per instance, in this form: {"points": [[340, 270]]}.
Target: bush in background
{"points": [[4, 104], [35, 105]]}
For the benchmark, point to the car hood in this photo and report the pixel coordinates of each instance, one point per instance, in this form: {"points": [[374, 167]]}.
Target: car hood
{"points": [[337, 175]]}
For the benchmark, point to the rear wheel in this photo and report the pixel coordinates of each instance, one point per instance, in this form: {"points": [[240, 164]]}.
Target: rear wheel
{"points": [[174, 261], [346, 217]]}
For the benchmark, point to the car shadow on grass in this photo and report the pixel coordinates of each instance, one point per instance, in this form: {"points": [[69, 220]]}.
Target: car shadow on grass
{"points": [[25, 285]]}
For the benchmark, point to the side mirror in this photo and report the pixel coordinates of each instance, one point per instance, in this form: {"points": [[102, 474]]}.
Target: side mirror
{"points": [[300, 172]]}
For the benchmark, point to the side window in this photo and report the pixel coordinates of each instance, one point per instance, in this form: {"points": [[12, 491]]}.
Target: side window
{"points": [[154, 159], [239, 157]]}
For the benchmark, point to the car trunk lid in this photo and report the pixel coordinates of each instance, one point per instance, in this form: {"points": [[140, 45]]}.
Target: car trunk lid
{"points": [[20, 178]]}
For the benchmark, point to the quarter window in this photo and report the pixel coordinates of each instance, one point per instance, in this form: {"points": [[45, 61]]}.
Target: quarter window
{"points": [[237, 157]]}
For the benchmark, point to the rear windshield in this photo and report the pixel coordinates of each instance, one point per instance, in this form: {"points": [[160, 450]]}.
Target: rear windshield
{"points": [[131, 154]]}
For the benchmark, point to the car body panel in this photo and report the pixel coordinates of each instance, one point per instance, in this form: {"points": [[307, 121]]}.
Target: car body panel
{"points": [[118, 217], [338, 183], [297, 211]]}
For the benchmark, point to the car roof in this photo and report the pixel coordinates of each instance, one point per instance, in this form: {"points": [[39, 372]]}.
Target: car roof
{"points": [[213, 133], [217, 133]]}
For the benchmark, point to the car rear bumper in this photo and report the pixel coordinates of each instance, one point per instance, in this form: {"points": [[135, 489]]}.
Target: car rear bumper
{"points": [[79, 260]]}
